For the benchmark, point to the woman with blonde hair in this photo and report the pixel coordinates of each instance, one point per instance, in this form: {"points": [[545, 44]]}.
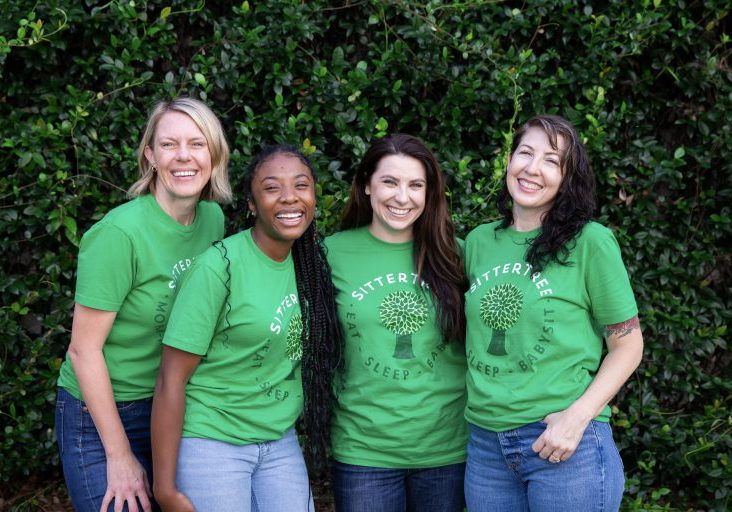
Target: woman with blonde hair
{"points": [[129, 265]]}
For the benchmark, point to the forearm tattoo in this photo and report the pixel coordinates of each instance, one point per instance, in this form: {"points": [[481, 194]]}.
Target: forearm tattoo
{"points": [[623, 328]]}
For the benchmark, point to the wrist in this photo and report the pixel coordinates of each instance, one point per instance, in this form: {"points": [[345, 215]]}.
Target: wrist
{"points": [[583, 411]]}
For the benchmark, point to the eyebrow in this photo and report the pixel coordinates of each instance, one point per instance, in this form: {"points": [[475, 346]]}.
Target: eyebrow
{"points": [[277, 178], [552, 152], [389, 176]]}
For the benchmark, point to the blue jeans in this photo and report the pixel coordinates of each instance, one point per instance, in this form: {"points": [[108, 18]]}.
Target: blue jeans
{"points": [[261, 477], [367, 489], [504, 473], [82, 453]]}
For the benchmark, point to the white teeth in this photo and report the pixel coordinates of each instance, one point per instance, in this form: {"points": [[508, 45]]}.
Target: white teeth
{"points": [[530, 185], [289, 215], [398, 211], [183, 174]]}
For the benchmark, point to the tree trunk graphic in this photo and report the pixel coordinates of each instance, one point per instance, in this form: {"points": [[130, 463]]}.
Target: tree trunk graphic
{"points": [[294, 343], [403, 313], [500, 308]]}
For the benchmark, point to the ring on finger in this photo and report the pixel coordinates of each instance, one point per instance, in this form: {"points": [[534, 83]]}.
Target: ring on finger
{"points": [[554, 459]]}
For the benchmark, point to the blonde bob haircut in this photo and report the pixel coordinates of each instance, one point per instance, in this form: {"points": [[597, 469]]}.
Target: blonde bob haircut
{"points": [[218, 188]]}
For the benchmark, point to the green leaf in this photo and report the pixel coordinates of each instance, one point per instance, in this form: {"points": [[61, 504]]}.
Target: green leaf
{"points": [[200, 79], [165, 12]]}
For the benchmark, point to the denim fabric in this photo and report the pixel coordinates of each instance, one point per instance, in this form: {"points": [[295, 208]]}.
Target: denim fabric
{"points": [[262, 477], [503, 473], [82, 453], [367, 489]]}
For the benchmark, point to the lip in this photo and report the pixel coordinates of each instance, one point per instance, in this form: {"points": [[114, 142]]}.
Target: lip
{"points": [[399, 212], [290, 217], [183, 173], [528, 185]]}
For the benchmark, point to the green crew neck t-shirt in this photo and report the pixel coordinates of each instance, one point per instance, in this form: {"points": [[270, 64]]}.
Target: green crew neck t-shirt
{"points": [[534, 340], [247, 387], [403, 393], [130, 262]]}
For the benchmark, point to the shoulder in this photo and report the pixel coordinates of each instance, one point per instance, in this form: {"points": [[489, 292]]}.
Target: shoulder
{"points": [[119, 221], [595, 234], [344, 240], [230, 247], [481, 231], [211, 209]]}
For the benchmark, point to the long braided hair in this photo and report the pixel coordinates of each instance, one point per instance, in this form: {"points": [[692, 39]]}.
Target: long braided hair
{"points": [[574, 204], [321, 334], [436, 254]]}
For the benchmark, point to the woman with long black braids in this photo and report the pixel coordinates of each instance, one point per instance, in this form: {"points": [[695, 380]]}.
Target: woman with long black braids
{"points": [[252, 311]]}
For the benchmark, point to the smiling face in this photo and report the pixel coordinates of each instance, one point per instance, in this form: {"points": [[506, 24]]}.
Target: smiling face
{"points": [[397, 191], [180, 154], [283, 200], [534, 177]]}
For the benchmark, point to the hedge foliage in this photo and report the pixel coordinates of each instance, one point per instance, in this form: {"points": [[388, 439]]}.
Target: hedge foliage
{"points": [[647, 82]]}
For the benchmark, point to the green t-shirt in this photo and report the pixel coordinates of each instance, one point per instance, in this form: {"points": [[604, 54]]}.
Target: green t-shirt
{"points": [[534, 340], [404, 389], [248, 386], [130, 262]]}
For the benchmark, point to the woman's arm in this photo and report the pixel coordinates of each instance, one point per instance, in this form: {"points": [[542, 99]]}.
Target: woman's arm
{"points": [[565, 428], [126, 478], [169, 406]]}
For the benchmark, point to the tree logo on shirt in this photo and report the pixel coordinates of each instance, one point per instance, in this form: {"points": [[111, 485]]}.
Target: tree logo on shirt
{"points": [[294, 342], [403, 313], [500, 308]]}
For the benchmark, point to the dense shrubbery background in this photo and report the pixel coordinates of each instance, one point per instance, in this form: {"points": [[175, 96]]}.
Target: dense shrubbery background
{"points": [[648, 83]]}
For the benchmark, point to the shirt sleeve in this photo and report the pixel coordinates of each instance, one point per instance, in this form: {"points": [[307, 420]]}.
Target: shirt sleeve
{"points": [[607, 281], [106, 268], [198, 305]]}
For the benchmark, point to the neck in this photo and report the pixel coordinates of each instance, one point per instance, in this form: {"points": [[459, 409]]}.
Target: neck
{"points": [[526, 221], [183, 211], [396, 237], [273, 249]]}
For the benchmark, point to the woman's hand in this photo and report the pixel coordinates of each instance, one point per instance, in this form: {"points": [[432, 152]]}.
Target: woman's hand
{"points": [[126, 482], [174, 501], [564, 431]]}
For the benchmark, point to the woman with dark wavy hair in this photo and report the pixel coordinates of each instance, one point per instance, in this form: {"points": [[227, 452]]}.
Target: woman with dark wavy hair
{"points": [[252, 342], [398, 432], [546, 285]]}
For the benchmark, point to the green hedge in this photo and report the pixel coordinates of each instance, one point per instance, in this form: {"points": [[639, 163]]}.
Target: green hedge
{"points": [[648, 83]]}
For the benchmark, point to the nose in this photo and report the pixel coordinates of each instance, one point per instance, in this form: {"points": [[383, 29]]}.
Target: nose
{"points": [[402, 194], [288, 194], [533, 166], [183, 153]]}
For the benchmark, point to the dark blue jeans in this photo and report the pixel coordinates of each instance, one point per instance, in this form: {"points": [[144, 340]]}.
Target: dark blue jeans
{"points": [[82, 454], [367, 489]]}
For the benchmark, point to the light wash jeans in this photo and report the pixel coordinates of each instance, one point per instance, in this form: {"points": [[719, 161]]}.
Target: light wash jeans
{"points": [[503, 473], [262, 477]]}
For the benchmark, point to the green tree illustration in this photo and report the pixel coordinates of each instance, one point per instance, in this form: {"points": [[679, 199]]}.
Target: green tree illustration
{"points": [[403, 313], [294, 342], [500, 307]]}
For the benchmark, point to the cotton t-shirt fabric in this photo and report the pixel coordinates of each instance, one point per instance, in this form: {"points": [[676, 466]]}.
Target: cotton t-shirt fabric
{"points": [[404, 388], [247, 387], [130, 262], [534, 340]]}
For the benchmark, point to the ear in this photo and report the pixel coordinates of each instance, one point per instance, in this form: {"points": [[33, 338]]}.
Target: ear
{"points": [[251, 207], [149, 154], [367, 190]]}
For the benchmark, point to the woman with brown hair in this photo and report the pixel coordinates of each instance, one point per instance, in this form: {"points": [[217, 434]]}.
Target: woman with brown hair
{"points": [[398, 432]]}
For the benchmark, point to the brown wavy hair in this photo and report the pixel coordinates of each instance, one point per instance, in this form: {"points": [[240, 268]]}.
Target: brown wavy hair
{"points": [[436, 254]]}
